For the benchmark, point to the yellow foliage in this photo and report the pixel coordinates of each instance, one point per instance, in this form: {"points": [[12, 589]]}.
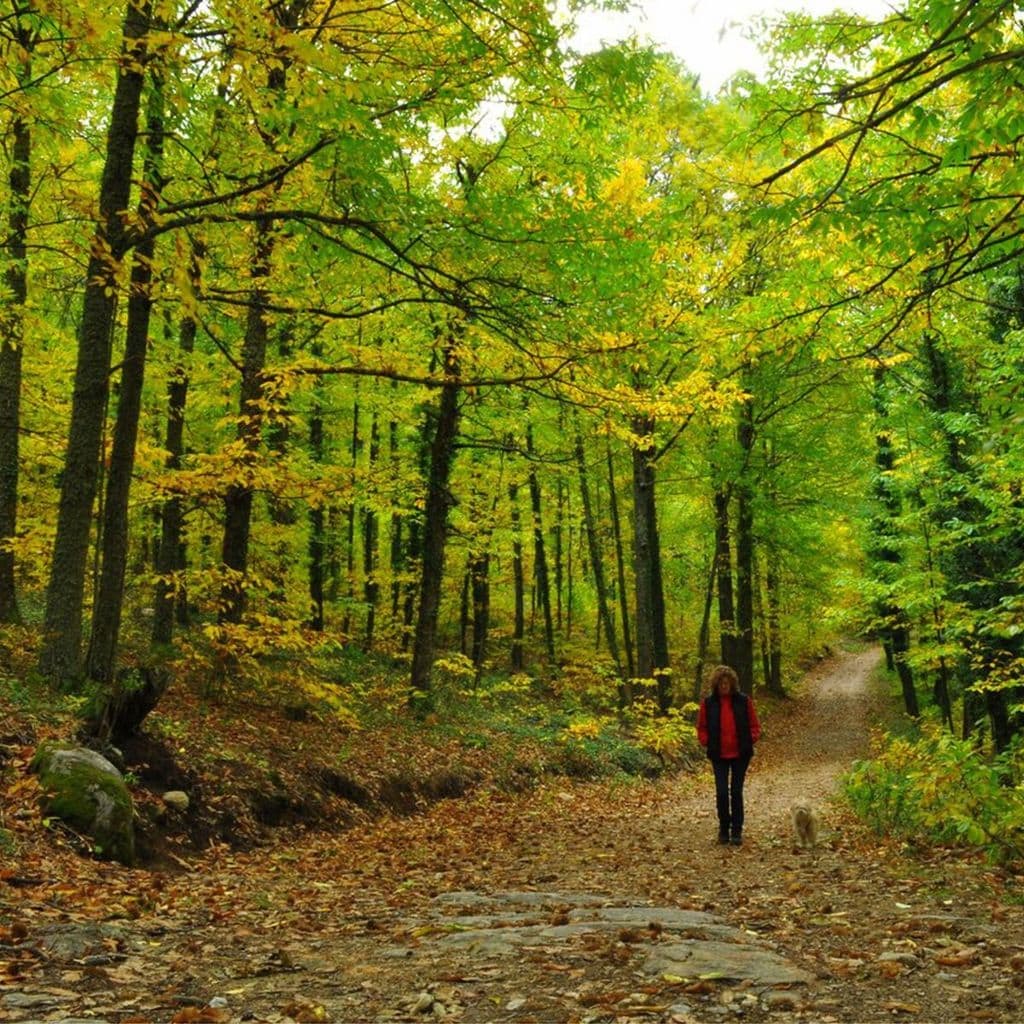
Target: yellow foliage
{"points": [[666, 735], [585, 728], [628, 189]]}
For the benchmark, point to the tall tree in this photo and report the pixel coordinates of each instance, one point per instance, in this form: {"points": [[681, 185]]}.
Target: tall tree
{"points": [[540, 558], [893, 619], [620, 561], [651, 632], [435, 523], [597, 566], [518, 582], [17, 41], [238, 498], [62, 623], [745, 544], [106, 618], [170, 553]]}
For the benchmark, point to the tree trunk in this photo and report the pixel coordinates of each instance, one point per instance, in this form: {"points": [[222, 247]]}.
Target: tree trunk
{"points": [[317, 516], [518, 581], [941, 692], [479, 573], [65, 594], [540, 565], [238, 501], [107, 607], [745, 553], [597, 569], [761, 637], [397, 554], [136, 692], [12, 324], [620, 564], [884, 550], [773, 623], [414, 548], [397, 560], [317, 548], [560, 552], [281, 510], [464, 609], [332, 556], [569, 582], [435, 532], [413, 559], [723, 570], [371, 541], [999, 719], [355, 445], [704, 636], [652, 646]]}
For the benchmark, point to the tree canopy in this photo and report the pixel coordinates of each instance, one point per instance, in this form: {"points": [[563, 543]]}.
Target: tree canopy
{"points": [[409, 329]]}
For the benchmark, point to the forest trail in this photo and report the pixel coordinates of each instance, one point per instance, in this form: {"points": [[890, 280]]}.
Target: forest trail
{"points": [[577, 902], [804, 751]]}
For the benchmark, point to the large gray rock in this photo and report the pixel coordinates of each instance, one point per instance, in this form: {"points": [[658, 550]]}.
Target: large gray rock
{"points": [[84, 789], [726, 961], [682, 943]]}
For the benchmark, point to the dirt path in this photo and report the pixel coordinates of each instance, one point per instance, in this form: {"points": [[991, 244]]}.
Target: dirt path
{"points": [[574, 903], [802, 754]]}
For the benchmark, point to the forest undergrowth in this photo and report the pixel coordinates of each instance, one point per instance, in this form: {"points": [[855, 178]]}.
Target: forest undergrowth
{"points": [[887, 927]]}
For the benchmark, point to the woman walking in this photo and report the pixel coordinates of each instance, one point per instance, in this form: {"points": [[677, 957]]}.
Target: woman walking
{"points": [[728, 728]]}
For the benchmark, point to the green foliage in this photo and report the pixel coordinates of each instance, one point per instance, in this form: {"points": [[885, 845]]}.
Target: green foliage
{"points": [[606, 753], [33, 695], [939, 789], [589, 685]]}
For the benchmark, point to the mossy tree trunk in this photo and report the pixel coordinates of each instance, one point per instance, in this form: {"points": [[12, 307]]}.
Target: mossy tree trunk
{"points": [[60, 653]]}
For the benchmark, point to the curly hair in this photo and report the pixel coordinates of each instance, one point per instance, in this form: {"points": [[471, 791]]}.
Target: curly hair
{"points": [[726, 672]]}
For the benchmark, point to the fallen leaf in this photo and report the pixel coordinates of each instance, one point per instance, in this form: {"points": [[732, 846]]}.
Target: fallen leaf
{"points": [[198, 1015]]}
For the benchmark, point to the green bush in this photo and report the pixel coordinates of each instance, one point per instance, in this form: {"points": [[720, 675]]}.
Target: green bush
{"points": [[941, 789]]}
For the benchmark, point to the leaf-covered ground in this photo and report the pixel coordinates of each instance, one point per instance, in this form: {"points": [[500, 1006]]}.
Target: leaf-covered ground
{"points": [[352, 925]]}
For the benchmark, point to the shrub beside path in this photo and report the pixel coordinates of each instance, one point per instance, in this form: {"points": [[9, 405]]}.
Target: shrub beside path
{"points": [[593, 902]]}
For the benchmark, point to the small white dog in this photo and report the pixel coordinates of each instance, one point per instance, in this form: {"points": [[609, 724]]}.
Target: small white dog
{"points": [[805, 824]]}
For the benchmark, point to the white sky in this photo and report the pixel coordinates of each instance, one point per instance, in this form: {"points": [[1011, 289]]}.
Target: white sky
{"points": [[707, 35]]}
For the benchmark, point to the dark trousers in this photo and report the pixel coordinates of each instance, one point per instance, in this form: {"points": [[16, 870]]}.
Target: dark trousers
{"points": [[729, 775]]}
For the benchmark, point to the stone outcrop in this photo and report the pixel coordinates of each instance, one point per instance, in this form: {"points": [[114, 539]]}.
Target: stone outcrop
{"points": [[84, 789]]}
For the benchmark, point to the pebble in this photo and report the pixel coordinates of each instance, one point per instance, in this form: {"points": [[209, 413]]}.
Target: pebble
{"points": [[177, 799]]}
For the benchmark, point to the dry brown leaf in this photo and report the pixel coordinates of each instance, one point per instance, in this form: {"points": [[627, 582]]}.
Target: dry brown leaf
{"points": [[198, 1015], [701, 987]]}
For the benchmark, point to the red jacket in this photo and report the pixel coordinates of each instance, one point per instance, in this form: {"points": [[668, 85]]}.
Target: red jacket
{"points": [[733, 740]]}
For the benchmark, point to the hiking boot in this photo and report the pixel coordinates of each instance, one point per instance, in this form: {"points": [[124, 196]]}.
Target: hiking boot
{"points": [[723, 838], [736, 839]]}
